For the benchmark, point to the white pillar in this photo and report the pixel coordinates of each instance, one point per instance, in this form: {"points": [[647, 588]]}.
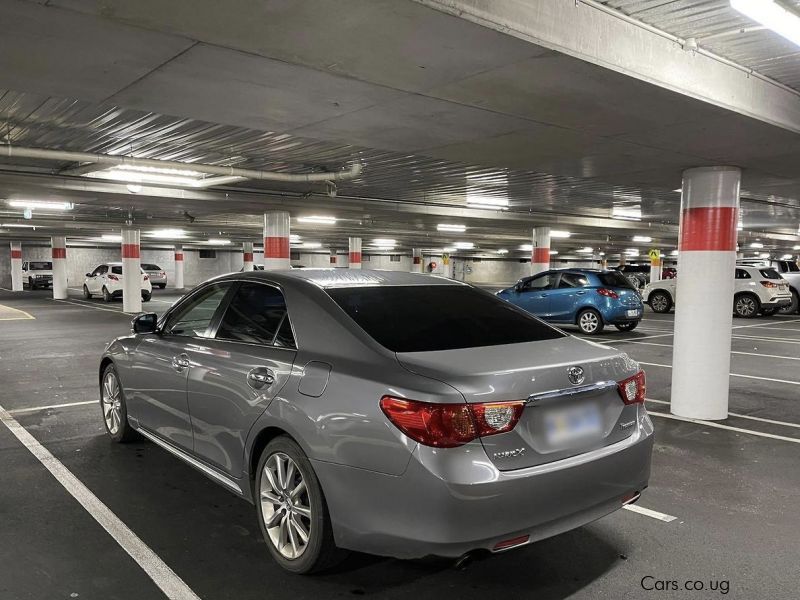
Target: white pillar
{"points": [[333, 258], [540, 253], [178, 282], [59, 247], [622, 259], [703, 310], [247, 256], [604, 263], [131, 272], [355, 252], [16, 266], [656, 261], [416, 260], [276, 241]]}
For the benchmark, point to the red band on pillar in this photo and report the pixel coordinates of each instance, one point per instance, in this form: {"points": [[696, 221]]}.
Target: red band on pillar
{"points": [[59, 253], [333, 260], [709, 228], [541, 255], [276, 247], [178, 256], [248, 257], [130, 250], [417, 260], [355, 257], [16, 254]]}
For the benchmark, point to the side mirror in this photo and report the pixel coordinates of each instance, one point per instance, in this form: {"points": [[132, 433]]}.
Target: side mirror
{"points": [[89, 275], [145, 323], [518, 286]]}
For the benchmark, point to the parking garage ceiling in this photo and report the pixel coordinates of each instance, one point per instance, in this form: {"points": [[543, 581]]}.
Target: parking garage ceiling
{"points": [[439, 110]]}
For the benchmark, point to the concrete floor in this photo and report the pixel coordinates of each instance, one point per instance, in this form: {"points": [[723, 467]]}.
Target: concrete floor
{"points": [[734, 493]]}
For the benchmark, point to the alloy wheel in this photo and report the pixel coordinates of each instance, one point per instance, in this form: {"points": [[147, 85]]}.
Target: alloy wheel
{"points": [[112, 403], [589, 322], [746, 306], [658, 303], [285, 506]]}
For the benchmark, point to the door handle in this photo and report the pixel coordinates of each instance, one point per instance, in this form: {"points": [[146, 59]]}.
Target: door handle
{"points": [[542, 295], [180, 362], [260, 377], [579, 293]]}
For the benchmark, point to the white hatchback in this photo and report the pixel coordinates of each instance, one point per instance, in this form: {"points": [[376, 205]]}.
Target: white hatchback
{"points": [[106, 281], [756, 289]]}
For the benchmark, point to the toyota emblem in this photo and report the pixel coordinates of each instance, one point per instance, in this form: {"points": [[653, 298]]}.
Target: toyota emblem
{"points": [[575, 375]]}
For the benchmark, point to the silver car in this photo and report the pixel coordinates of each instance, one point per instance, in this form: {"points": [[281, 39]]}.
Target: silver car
{"points": [[157, 275], [391, 413]]}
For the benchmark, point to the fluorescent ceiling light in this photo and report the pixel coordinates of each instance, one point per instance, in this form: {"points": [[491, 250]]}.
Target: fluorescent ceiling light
{"points": [[740, 225], [19, 225], [218, 242], [674, 253], [756, 245], [786, 257], [449, 227], [321, 220], [764, 255], [502, 251], [632, 252], [526, 247], [627, 213], [450, 249], [772, 16], [464, 245], [475, 201], [294, 238], [384, 242], [586, 250], [312, 245], [642, 238], [553, 252], [795, 247], [559, 234], [44, 204], [111, 237], [167, 233], [130, 175]]}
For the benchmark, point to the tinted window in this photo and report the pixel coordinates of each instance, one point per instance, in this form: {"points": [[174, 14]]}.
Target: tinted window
{"points": [[540, 282], [573, 280], [193, 317], [100, 270], [116, 270], [255, 315], [770, 274], [742, 274], [614, 279], [151, 267], [792, 267], [38, 265], [427, 318]]}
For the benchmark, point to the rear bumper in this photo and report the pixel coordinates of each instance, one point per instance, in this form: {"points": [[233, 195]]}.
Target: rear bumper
{"points": [[620, 315], [449, 502], [777, 302]]}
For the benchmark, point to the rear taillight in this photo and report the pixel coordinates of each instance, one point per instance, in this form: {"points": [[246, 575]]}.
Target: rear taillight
{"points": [[146, 277], [607, 293], [163, 274], [633, 389], [450, 425], [113, 278], [769, 284]]}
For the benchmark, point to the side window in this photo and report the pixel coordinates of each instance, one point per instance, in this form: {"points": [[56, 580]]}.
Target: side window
{"points": [[99, 270], [25, 266], [541, 282], [742, 274], [257, 315], [573, 280], [193, 317]]}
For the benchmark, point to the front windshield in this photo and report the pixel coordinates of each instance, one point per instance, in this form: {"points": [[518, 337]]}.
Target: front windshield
{"points": [[40, 265]]}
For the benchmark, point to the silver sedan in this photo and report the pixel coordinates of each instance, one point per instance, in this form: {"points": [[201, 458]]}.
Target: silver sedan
{"points": [[396, 414]]}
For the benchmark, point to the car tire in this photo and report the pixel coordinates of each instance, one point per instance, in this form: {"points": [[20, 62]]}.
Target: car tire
{"points": [[590, 322], [660, 302], [794, 307], [86, 293], [746, 306], [627, 326], [162, 285], [146, 296], [107, 297], [113, 407], [277, 506], [31, 284]]}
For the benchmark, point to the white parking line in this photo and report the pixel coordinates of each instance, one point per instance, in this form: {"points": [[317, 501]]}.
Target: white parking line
{"points": [[778, 356], [767, 324], [165, 578], [647, 512], [741, 416], [76, 303], [19, 411], [649, 364], [772, 436], [765, 339]]}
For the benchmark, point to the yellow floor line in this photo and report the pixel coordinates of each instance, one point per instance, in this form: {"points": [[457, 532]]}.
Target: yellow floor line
{"points": [[18, 315]]}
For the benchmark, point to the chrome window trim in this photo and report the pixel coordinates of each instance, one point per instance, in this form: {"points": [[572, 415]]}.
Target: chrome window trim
{"points": [[573, 391]]}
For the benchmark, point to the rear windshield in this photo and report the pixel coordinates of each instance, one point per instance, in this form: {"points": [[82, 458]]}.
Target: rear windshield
{"points": [[770, 274], [614, 279], [150, 267], [447, 317], [116, 270], [792, 267], [40, 265]]}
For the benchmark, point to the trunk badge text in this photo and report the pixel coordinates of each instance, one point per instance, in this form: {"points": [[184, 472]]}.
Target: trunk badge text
{"points": [[575, 375], [509, 453]]}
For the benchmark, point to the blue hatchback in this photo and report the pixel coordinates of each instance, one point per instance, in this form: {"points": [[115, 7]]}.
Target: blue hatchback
{"points": [[588, 298]]}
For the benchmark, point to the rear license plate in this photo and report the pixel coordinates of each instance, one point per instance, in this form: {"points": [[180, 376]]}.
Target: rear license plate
{"points": [[633, 313], [573, 424]]}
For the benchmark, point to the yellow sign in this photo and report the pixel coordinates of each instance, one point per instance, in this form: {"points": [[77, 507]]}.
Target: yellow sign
{"points": [[445, 259], [654, 254]]}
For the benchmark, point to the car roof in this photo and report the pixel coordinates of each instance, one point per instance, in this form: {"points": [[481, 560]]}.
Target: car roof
{"points": [[344, 278]]}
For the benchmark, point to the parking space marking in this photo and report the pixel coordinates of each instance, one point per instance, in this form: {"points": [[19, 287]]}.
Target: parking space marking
{"points": [[76, 303], [8, 313], [649, 364], [772, 436], [165, 578], [647, 512], [778, 356], [19, 411], [741, 416], [767, 324]]}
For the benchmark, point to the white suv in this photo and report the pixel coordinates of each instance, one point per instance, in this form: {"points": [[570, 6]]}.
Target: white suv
{"points": [[756, 289], [37, 273], [106, 281]]}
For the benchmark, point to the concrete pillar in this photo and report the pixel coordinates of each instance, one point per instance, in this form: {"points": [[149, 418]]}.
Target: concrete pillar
{"points": [[540, 254], [703, 315], [247, 256], [276, 241], [59, 249], [416, 260], [16, 266], [355, 252], [622, 259], [131, 272], [333, 258], [178, 282], [604, 263], [656, 261]]}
